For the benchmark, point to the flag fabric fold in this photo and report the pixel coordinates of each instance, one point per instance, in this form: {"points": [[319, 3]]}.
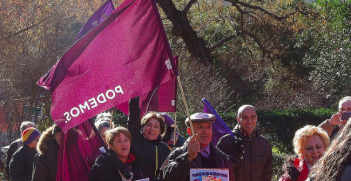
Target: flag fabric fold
{"points": [[126, 55], [79, 148], [219, 128], [161, 99], [99, 16]]}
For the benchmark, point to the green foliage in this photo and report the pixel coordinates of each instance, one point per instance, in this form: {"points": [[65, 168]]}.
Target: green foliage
{"points": [[330, 51]]}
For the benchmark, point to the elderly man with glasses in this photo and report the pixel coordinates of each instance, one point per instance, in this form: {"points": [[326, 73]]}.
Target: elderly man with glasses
{"points": [[249, 152]]}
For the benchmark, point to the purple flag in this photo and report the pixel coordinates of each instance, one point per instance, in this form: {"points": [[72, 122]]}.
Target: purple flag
{"points": [[99, 16], [60, 68], [127, 55], [219, 127]]}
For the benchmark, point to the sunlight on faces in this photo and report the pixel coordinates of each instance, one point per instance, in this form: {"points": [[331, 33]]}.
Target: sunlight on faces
{"points": [[121, 146], [345, 106], [103, 132], [204, 131], [33, 144], [57, 137], [152, 129], [313, 149], [248, 119]]}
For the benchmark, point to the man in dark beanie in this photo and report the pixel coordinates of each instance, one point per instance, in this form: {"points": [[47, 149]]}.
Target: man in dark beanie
{"points": [[45, 162], [21, 164]]}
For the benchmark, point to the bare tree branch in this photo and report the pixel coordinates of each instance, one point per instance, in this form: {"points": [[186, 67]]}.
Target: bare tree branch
{"points": [[221, 42], [26, 29], [188, 6]]}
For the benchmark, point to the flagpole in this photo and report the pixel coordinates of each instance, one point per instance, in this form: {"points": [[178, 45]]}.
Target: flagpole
{"points": [[91, 121], [186, 105], [175, 128]]}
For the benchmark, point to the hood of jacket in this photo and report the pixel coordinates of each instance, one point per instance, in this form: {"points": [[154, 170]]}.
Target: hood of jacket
{"points": [[45, 139]]}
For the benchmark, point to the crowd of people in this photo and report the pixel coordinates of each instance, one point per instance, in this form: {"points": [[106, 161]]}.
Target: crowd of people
{"points": [[151, 147]]}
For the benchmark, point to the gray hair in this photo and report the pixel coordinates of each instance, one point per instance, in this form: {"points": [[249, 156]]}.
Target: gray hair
{"points": [[26, 124], [104, 115]]}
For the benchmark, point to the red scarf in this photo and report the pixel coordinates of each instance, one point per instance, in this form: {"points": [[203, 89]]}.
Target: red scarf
{"points": [[130, 159]]}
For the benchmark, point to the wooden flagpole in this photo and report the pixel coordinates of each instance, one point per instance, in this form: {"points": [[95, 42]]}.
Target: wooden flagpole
{"points": [[186, 105]]}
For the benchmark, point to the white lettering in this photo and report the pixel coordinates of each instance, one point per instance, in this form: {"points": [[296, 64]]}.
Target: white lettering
{"points": [[118, 89], [68, 118], [77, 110], [85, 106], [93, 102], [113, 94], [103, 98]]}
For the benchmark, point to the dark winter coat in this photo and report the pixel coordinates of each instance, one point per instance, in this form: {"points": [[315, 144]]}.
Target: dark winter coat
{"points": [[107, 165], [148, 148], [294, 170], [251, 158], [46, 160], [169, 135], [178, 167], [14, 146], [21, 164]]}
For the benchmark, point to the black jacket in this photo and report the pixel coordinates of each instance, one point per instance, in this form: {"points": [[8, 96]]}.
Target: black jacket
{"points": [[251, 158], [178, 167], [21, 164], [147, 147], [14, 146], [107, 165], [46, 160]]}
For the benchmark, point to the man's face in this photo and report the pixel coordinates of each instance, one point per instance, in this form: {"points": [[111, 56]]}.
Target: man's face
{"points": [[248, 119], [204, 131]]}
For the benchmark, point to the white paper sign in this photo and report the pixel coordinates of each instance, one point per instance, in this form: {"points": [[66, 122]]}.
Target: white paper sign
{"points": [[209, 174], [145, 179]]}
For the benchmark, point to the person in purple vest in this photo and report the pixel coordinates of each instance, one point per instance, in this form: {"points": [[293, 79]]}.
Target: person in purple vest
{"points": [[197, 152]]}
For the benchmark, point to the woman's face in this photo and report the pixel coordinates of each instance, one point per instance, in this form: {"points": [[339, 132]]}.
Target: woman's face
{"points": [[121, 146], [313, 149], [57, 137], [345, 106], [102, 132], [152, 129]]}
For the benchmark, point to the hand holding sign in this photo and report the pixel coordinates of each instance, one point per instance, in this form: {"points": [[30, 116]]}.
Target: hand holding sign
{"points": [[193, 148]]}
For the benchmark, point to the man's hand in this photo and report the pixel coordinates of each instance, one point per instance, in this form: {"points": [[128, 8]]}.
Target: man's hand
{"points": [[193, 148], [335, 119]]}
